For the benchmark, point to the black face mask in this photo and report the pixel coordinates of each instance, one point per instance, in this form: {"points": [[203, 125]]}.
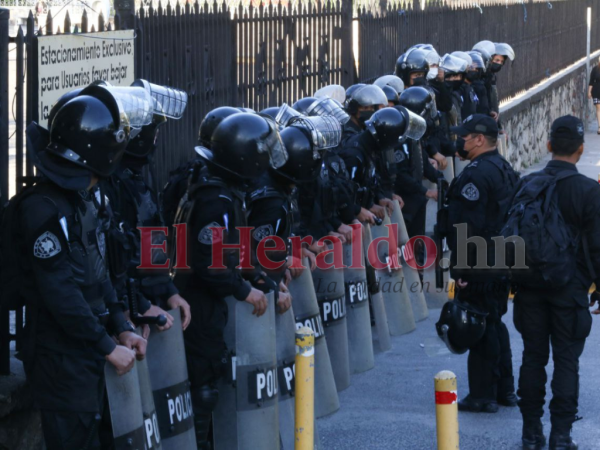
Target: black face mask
{"points": [[460, 148], [472, 76], [453, 84], [419, 81], [495, 67], [364, 116]]}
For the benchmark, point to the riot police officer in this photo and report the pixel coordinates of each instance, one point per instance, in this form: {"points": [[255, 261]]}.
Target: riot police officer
{"points": [[467, 94], [476, 204], [559, 316], [474, 76], [72, 311], [134, 204], [360, 105], [242, 147]]}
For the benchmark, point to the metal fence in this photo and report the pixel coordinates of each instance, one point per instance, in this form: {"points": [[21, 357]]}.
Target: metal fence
{"points": [[546, 36], [251, 57]]}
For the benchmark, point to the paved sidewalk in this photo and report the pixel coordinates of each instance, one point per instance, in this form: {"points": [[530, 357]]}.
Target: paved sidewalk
{"points": [[392, 406]]}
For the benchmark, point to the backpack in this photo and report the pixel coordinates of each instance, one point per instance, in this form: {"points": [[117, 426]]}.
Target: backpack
{"points": [[549, 243], [176, 187]]}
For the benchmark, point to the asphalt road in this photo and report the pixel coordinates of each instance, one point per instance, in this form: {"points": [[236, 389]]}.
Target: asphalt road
{"points": [[392, 406]]}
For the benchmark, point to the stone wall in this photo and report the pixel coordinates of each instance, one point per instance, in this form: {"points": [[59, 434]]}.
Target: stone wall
{"points": [[527, 119]]}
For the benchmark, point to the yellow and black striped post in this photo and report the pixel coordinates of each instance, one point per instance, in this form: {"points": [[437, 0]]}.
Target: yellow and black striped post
{"points": [[305, 389], [446, 410]]}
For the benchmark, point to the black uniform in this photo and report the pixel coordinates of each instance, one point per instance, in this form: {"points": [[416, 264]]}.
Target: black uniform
{"points": [[349, 130], [410, 187], [560, 317], [483, 100], [469, 100], [212, 202], [72, 311], [133, 204], [479, 197], [270, 213]]}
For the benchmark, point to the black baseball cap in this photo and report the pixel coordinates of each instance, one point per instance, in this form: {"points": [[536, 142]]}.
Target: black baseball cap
{"points": [[477, 124], [567, 127]]}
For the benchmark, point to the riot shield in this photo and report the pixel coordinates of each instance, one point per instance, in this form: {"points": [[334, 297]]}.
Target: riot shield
{"points": [[411, 275], [379, 313], [306, 311], [285, 331], [459, 165], [391, 283], [358, 317], [329, 286], [435, 295], [247, 415], [167, 368], [125, 406], [151, 429]]}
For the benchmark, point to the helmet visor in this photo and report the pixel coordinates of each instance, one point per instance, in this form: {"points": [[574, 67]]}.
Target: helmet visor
{"points": [[416, 125], [505, 50], [273, 145], [333, 91], [135, 106], [392, 81], [453, 64], [168, 101], [325, 132], [328, 107], [369, 95], [285, 114]]}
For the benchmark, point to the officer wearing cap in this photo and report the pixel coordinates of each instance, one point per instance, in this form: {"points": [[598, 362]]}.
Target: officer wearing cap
{"points": [[478, 200], [560, 316]]}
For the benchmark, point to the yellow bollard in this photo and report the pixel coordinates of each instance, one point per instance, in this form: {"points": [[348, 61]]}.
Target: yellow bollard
{"points": [[446, 410], [305, 389]]}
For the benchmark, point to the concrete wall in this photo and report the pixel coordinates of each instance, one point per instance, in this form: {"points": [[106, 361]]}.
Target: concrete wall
{"points": [[527, 118]]}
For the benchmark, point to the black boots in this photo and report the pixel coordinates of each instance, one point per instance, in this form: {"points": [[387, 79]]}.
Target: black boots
{"points": [[506, 392], [562, 441], [204, 400], [473, 405], [533, 435]]}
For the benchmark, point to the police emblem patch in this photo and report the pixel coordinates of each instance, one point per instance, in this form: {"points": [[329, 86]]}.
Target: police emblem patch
{"points": [[470, 192], [46, 246], [399, 155], [206, 234], [262, 232]]}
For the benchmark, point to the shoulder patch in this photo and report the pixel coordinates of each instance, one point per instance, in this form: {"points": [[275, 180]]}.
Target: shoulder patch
{"points": [[399, 155], [470, 192], [336, 167], [206, 234], [262, 232], [46, 246]]}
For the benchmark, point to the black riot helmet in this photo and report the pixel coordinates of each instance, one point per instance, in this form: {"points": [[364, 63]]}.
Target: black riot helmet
{"points": [[412, 61], [391, 94], [303, 104], [271, 111], [59, 104], [244, 146], [386, 126], [303, 163], [211, 121], [367, 95], [420, 101], [350, 91], [460, 326], [91, 131], [143, 143]]}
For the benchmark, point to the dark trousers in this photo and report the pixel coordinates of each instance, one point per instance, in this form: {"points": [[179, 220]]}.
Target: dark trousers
{"points": [[490, 360], [543, 319]]}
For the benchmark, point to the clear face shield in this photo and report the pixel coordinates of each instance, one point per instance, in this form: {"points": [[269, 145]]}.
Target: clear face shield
{"points": [[285, 115], [370, 95], [486, 46], [416, 125], [169, 102], [136, 106], [328, 107], [325, 131], [333, 91], [273, 145], [453, 64], [504, 50], [392, 81]]}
